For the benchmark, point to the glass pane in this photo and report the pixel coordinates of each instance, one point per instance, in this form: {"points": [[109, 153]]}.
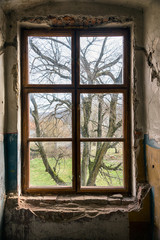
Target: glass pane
{"points": [[49, 60], [101, 60], [50, 115], [50, 164], [101, 115], [101, 164]]}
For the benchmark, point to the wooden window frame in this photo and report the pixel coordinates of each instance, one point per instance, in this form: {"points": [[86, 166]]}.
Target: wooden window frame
{"points": [[75, 88]]}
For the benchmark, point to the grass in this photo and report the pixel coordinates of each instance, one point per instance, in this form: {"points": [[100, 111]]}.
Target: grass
{"points": [[39, 177]]}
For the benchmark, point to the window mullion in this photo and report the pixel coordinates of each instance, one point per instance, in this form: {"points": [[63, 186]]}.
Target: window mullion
{"points": [[77, 104]]}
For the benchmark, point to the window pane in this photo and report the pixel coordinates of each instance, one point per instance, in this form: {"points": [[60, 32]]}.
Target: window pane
{"points": [[101, 60], [49, 60], [50, 115], [101, 164], [50, 164], [101, 115]]}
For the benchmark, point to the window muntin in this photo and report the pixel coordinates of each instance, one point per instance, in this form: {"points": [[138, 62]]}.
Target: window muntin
{"points": [[98, 110], [49, 60], [107, 94], [53, 152], [54, 114], [110, 172], [104, 56]]}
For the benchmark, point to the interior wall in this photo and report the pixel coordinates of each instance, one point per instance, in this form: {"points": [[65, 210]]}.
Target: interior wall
{"points": [[152, 106], [45, 15], [2, 94]]}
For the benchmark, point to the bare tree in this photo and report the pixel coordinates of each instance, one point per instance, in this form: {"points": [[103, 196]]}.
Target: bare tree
{"points": [[101, 114]]}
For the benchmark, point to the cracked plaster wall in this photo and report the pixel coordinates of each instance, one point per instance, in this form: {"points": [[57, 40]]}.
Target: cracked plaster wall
{"points": [[152, 104], [152, 71], [2, 95]]}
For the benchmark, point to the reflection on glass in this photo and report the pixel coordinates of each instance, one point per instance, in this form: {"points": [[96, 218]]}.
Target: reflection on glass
{"points": [[49, 60], [101, 115], [50, 115], [50, 164], [101, 164], [101, 60]]}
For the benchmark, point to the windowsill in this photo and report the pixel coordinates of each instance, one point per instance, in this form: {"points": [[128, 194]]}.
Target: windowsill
{"points": [[79, 204]]}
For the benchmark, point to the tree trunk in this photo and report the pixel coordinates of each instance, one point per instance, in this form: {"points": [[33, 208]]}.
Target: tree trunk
{"points": [[85, 163], [100, 121], [86, 104], [102, 151], [52, 173]]}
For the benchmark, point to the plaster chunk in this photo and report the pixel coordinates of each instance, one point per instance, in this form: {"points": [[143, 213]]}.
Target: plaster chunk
{"points": [[114, 201], [119, 196]]}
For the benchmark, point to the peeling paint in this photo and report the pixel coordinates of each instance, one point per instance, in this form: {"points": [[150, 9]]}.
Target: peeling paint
{"points": [[138, 130], [15, 81]]}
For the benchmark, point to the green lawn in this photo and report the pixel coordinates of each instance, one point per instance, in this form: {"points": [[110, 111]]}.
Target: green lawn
{"points": [[39, 177]]}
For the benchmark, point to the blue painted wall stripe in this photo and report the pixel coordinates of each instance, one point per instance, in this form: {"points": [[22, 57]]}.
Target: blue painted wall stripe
{"points": [[10, 141], [151, 142]]}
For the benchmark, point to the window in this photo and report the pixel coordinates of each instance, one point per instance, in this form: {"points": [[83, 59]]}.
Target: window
{"points": [[76, 110]]}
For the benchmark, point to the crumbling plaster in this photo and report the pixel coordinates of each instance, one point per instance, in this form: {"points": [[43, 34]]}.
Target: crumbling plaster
{"points": [[71, 217], [152, 71], [152, 104]]}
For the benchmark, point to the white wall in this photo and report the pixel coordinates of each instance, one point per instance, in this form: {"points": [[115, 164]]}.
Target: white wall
{"points": [[2, 94], [152, 104], [152, 85]]}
